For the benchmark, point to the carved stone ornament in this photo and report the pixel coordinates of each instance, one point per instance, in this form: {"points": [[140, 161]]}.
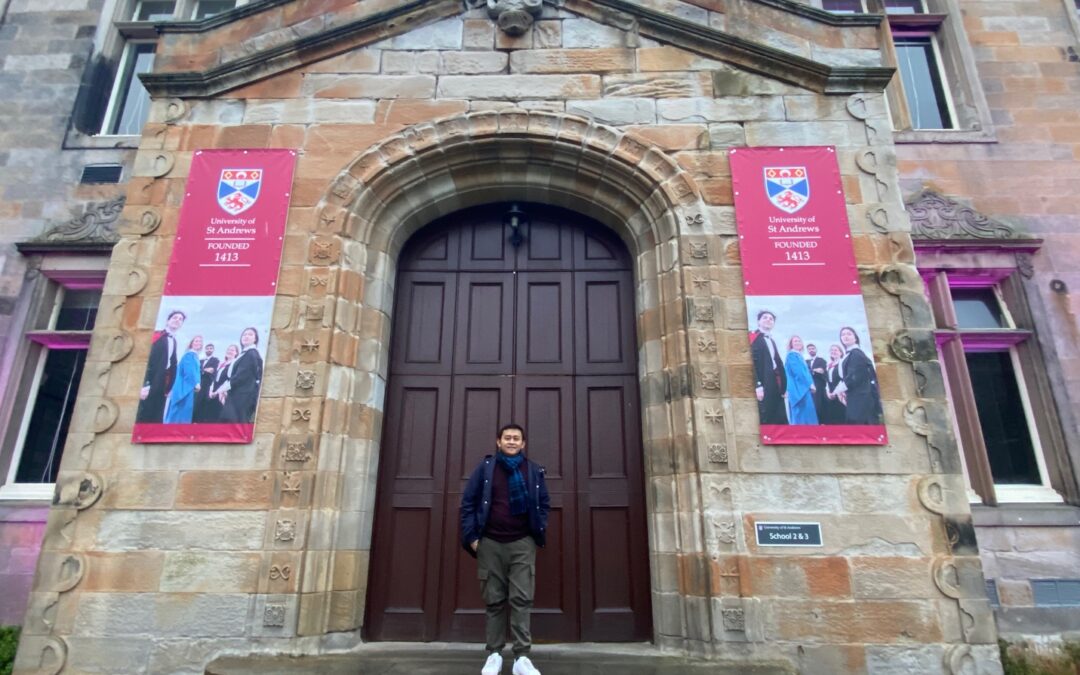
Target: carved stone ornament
{"points": [[703, 313], [914, 345], [959, 660], [718, 453], [725, 531], [898, 278], [274, 616], [714, 415], [706, 344], [291, 484], [305, 379], [280, 573], [513, 17], [936, 217], [710, 380], [285, 530], [297, 452], [96, 224], [699, 250], [734, 619], [52, 656], [80, 493]]}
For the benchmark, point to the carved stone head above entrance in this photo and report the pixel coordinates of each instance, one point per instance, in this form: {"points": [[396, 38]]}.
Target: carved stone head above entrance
{"points": [[514, 17]]}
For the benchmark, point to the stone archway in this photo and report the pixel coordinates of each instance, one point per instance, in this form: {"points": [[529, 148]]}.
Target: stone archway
{"points": [[435, 168]]}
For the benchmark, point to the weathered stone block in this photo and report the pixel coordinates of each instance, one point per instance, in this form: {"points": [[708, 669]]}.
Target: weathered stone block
{"points": [[502, 87], [572, 61], [587, 34], [618, 111], [445, 34], [728, 109], [217, 572], [180, 530], [118, 614]]}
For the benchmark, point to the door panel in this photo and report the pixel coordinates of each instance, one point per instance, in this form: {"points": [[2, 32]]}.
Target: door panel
{"points": [[611, 502], [484, 334], [405, 577], [603, 323], [484, 342], [423, 323], [545, 342], [544, 405]]}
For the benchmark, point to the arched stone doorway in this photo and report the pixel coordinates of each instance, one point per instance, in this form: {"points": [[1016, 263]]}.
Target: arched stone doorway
{"points": [[494, 323], [433, 169]]}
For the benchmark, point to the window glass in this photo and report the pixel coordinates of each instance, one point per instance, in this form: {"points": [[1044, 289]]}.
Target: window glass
{"points": [[133, 106], [922, 83], [208, 8], [977, 308], [154, 10], [845, 6], [53, 406], [78, 310], [904, 7], [1001, 416]]}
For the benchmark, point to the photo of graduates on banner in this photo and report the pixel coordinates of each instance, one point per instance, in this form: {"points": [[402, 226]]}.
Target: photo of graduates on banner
{"points": [[206, 361], [812, 360]]}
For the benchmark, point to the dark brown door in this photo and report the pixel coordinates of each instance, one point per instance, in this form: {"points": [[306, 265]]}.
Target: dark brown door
{"points": [[541, 334]]}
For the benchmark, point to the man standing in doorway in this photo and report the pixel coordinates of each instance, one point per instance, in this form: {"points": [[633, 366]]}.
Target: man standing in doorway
{"points": [[504, 511]]}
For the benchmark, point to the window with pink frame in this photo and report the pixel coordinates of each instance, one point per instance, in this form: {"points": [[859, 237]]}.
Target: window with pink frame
{"points": [[59, 339], [987, 360]]}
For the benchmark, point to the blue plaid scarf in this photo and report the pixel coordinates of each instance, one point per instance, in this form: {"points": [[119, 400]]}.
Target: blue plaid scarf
{"points": [[515, 480]]}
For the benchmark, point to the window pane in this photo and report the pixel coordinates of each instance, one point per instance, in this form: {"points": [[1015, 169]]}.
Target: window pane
{"points": [[1001, 417], [208, 8], [134, 104], [922, 83], [904, 7], [154, 10], [78, 310], [977, 308], [44, 443], [843, 6]]}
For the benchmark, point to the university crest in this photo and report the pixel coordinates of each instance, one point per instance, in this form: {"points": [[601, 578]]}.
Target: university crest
{"points": [[238, 189], [788, 187]]}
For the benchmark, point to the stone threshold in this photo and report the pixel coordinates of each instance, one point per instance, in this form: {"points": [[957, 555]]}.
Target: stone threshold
{"points": [[443, 658]]}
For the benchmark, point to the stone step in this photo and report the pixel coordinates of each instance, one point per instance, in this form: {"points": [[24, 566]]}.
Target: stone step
{"points": [[460, 659]]}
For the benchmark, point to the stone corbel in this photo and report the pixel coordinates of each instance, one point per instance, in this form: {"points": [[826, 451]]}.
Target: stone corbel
{"points": [[514, 17]]}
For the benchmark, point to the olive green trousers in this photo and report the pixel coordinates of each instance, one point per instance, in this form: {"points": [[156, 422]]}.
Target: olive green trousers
{"points": [[507, 575]]}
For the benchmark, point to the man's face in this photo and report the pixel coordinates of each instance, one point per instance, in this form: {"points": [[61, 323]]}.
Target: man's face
{"points": [[811, 350], [174, 322], [511, 442], [209, 350], [766, 322]]}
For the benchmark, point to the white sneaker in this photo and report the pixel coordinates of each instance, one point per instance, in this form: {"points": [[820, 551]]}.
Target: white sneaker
{"points": [[523, 666], [493, 665]]}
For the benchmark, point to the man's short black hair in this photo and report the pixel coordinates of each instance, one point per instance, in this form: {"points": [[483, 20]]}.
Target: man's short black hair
{"points": [[512, 425]]}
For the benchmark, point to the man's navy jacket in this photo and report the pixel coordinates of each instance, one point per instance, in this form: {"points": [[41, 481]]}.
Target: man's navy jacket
{"points": [[476, 503]]}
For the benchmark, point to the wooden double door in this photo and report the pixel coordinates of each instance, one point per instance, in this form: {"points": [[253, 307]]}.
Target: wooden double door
{"points": [[486, 333]]}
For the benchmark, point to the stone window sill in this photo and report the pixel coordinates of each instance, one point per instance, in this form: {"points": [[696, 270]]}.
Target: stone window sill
{"points": [[1026, 515], [944, 136]]}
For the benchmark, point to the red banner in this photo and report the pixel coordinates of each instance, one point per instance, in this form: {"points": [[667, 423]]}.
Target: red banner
{"points": [[814, 374], [204, 372]]}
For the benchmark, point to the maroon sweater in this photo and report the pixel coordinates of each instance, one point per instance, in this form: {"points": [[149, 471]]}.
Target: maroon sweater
{"points": [[503, 526]]}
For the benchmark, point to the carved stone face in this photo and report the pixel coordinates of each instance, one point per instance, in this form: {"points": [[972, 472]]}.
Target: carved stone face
{"points": [[514, 17]]}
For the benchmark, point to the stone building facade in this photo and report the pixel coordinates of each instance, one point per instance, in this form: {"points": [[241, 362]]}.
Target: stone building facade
{"points": [[159, 558]]}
